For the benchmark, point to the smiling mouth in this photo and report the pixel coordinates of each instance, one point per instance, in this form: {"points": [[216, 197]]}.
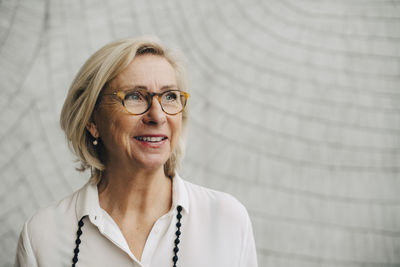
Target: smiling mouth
{"points": [[151, 139]]}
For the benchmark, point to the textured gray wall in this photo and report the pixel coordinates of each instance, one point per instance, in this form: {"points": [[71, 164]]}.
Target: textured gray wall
{"points": [[294, 110]]}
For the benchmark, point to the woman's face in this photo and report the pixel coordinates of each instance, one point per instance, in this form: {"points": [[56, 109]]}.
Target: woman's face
{"points": [[146, 140]]}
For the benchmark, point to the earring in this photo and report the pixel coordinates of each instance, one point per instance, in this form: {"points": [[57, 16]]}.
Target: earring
{"points": [[95, 142]]}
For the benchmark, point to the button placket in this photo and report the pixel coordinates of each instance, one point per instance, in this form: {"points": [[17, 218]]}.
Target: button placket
{"points": [[152, 240]]}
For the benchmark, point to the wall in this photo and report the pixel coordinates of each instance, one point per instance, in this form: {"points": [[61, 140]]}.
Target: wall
{"points": [[294, 110]]}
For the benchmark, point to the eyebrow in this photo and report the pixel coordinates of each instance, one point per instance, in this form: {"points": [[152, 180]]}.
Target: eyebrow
{"points": [[142, 87]]}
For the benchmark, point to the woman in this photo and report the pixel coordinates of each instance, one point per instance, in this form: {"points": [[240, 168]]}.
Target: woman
{"points": [[124, 117]]}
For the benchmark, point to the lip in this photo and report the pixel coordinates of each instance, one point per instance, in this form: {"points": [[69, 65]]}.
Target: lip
{"points": [[151, 144], [152, 135]]}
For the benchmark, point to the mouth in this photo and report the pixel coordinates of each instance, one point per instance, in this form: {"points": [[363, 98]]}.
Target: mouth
{"points": [[151, 139]]}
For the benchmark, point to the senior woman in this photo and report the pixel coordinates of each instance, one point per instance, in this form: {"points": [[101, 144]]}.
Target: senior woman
{"points": [[124, 117]]}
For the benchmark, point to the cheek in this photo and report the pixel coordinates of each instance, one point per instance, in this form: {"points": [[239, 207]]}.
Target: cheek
{"points": [[176, 128], [115, 127], [119, 132], [117, 139]]}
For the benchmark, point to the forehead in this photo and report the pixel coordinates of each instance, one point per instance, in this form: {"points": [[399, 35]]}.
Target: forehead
{"points": [[150, 71]]}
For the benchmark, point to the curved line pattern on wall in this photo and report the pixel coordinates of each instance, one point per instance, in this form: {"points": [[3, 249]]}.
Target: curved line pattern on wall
{"points": [[294, 110]]}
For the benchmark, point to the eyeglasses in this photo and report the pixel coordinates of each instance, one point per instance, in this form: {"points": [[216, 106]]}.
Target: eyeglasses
{"points": [[139, 101]]}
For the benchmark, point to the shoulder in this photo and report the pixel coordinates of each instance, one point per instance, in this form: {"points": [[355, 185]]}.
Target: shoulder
{"points": [[47, 221], [45, 234], [64, 206], [224, 205]]}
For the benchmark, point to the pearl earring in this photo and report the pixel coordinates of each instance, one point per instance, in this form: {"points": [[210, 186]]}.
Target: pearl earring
{"points": [[95, 142]]}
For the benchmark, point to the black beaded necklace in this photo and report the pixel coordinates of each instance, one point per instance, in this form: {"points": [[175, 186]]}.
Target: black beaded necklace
{"points": [[177, 233]]}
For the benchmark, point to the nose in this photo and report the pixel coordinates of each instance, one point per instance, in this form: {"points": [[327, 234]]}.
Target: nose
{"points": [[155, 115]]}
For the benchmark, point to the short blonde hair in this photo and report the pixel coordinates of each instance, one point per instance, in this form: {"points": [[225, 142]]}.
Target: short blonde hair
{"points": [[98, 70]]}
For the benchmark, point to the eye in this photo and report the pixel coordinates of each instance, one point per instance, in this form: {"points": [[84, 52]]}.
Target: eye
{"points": [[171, 96], [135, 96]]}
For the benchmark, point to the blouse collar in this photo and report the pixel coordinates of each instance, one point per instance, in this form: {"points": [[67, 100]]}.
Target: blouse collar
{"points": [[88, 199]]}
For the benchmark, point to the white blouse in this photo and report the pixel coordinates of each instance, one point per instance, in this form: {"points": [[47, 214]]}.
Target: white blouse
{"points": [[216, 231]]}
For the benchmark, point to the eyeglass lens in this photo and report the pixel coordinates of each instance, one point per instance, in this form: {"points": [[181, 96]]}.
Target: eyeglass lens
{"points": [[137, 102]]}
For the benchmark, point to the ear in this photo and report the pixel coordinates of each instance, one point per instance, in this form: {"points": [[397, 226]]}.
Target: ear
{"points": [[92, 128]]}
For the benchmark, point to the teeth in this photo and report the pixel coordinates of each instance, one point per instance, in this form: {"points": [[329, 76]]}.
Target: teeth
{"points": [[150, 139]]}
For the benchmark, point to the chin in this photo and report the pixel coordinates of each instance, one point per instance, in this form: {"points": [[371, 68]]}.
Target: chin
{"points": [[152, 163]]}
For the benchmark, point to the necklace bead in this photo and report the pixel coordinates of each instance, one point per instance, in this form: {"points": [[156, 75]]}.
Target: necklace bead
{"points": [[177, 233], [77, 241], [176, 241]]}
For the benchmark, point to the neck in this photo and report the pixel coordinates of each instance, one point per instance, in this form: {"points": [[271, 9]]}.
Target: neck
{"points": [[130, 192]]}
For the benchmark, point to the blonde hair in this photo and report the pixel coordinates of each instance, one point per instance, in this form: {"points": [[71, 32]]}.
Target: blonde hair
{"points": [[83, 94]]}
